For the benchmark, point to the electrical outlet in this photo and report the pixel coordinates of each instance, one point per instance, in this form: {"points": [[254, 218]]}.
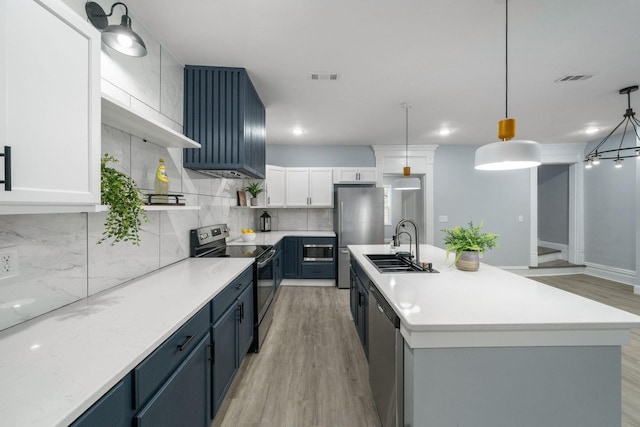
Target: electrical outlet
{"points": [[8, 262]]}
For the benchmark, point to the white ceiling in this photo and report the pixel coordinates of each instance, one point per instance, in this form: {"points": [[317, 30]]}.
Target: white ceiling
{"points": [[446, 57]]}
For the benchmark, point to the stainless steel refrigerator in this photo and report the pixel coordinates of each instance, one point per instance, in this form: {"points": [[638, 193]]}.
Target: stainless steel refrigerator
{"points": [[358, 219]]}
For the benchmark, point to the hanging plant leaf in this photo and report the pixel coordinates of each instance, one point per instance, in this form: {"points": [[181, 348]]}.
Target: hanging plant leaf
{"points": [[126, 208]]}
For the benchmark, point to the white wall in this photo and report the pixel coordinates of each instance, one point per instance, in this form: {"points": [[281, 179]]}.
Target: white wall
{"points": [[498, 198], [59, 259]]}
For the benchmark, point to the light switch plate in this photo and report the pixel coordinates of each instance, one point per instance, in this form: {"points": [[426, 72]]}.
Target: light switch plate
{"points": [[443, 218]]}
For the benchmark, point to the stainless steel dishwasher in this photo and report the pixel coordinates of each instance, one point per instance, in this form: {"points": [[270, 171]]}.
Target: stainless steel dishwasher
{"points": [[386, 360]]}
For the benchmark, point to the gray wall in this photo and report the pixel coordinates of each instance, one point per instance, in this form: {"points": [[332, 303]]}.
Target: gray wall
{"points": [[320, 155], [499, 198], [610, 211], [553, 203]]}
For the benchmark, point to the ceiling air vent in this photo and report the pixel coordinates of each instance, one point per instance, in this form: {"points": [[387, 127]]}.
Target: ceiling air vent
{"points": [[573, 78], [324, 76]]}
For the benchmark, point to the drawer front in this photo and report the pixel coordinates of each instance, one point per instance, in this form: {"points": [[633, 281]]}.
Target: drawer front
{"points": [[224, 299], [318, 271], [154, 370]]}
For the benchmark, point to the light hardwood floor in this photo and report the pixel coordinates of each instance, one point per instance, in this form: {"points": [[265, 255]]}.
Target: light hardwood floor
{"points": [[311, 371], [622, 297]]}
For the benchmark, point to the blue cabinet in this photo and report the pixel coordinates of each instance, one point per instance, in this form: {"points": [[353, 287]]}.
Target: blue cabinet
{"points": [[318, 256], [185, 379], [114, 409], [223, 112], [225, 354], [232, 333], [292, 255], [183, 400]]}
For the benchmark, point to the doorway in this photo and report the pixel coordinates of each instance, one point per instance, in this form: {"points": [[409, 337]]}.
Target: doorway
{"points": [[553, 213], [402, 204]]}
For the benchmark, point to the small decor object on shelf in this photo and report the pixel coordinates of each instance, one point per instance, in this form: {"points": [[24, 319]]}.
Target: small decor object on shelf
{"points": [[242, 198], [248, 235], [124, 198], [254, 189], [468, 244], [265, 222], [165, 199], [161, 183]]}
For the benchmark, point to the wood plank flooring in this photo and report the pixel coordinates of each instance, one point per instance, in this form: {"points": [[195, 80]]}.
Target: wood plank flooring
{"points": [[311, 371], [622, 297]]}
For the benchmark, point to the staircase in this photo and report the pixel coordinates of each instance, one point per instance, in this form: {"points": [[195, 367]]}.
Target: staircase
{"points": [[551, 262]]}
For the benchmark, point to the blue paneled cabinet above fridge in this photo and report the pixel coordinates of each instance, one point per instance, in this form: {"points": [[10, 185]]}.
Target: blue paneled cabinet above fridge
{"points": [[224, 113]]}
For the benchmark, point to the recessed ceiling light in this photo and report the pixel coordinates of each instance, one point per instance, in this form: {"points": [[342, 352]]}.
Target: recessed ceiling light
{"points": [[591, 130], [297, 131], [444, 131]]}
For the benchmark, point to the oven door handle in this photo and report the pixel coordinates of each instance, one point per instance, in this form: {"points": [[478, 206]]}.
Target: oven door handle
{"points": [[270, 256]]}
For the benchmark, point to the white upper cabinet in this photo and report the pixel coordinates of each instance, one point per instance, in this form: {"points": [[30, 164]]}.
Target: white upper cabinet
{"points": [[354, 175], [309, 187], [275, 186], [49, 107]]}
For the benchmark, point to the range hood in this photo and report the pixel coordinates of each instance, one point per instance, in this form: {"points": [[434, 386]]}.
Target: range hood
{"points": [[224, 113]]}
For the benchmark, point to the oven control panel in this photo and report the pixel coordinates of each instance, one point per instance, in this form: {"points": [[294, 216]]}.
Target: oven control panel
{"points": [[211, 233]]}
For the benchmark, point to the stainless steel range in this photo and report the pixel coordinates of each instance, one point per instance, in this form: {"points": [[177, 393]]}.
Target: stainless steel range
{"points": [[211, 242]]}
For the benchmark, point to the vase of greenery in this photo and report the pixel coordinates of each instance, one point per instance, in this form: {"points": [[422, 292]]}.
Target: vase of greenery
{"points": [[126, 207], [468, 243], [254, 189]]}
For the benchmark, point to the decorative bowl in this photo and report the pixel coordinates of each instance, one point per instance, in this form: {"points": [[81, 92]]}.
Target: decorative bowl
{"points": [[248, 237]]}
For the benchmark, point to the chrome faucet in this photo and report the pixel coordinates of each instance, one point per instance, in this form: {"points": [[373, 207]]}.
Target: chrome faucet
{"points": [[396, 238]]}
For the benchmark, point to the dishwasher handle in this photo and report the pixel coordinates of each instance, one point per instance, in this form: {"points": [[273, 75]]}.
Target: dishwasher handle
{"points": [[383, 306]]}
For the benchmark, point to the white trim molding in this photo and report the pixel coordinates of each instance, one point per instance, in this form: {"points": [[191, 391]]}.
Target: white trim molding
{"points": [[573, 155], [620, 275], [390, 159]]}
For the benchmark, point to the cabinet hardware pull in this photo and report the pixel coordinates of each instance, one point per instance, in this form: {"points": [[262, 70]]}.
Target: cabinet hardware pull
{"points": [[7, 168], [186, 343], [241, 312], [213, 353], [268, 200], [380, 309]]}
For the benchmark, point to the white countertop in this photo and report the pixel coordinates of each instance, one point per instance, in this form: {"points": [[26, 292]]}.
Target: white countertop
{"points": [[273, 237], [56, 366], [490, 307]]}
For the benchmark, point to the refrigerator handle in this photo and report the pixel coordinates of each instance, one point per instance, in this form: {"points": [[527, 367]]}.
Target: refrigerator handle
{"points": [[341, 216]]}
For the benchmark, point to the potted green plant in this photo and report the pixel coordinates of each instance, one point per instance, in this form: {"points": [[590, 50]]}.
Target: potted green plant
{"points": [[254, 189], [468, 243], [124, 198]]}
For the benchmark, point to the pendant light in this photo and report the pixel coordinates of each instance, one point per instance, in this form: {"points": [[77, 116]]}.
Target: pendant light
{"points": [[406, 182], [508, 154], [119, 37]]}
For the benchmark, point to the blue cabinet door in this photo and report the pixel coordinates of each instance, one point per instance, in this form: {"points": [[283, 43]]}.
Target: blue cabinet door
{"points": [[184, 399], [353, 295], [245, 323], [278, 264], [225, 354], [114, 409], [292, 258]]}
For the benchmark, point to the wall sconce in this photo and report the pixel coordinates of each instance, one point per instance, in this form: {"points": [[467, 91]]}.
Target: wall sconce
{"points": [[119, 37]]}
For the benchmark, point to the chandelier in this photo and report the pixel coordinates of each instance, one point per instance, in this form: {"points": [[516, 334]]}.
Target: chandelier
{"points": [[621, 152]]}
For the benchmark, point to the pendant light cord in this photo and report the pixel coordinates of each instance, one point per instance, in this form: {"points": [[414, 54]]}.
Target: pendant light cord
{"points": [[406, 135], [506, 59]]}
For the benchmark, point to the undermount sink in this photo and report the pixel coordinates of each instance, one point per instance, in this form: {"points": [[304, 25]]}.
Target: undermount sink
{"points": [[395, 263]]}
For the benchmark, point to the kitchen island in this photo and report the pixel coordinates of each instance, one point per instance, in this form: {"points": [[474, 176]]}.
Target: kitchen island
{"points": [[490, 348]]}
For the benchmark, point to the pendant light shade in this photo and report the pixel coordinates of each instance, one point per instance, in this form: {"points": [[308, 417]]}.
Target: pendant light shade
{"points": [[508, 154], [118, 37], [406, 182], [501, 155]]}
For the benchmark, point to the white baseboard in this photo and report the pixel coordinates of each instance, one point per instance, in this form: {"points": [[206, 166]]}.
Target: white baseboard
{"points": [[308, 282], [620, 275]]}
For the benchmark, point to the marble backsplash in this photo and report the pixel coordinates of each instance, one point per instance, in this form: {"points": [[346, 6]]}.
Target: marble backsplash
{"points": [[316, 219]]}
